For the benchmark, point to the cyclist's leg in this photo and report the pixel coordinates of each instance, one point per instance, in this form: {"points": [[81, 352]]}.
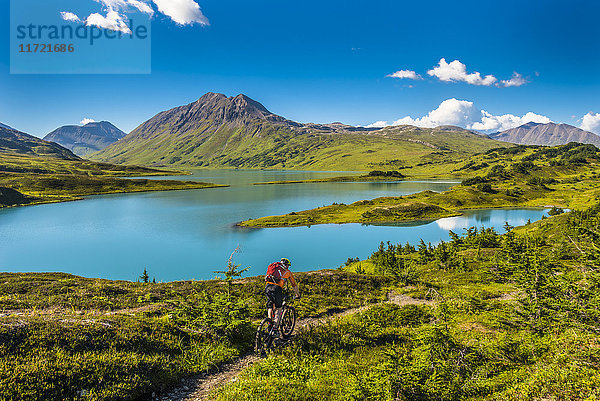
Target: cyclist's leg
{"points": [[274, 301], [269, 292], [278, 303], [278, 313]]}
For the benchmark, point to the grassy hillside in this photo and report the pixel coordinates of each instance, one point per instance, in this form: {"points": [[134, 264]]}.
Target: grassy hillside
{"points": [[24, 164], [217, 131], [511, 317], [280, 147], [483, 316], [26, 180], [565, 176], [15, 142], [67, 337]]}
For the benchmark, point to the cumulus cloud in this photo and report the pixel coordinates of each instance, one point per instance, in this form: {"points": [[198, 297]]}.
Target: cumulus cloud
{"points": [[113, 21], [86, 121], [490, 122], [67, 16], [114, 13], [464, 114], [141, 6], [182, 12], [449, 112], [377, 124], [516, 80], [405, 74], [124, 4], [456, 71], [591, 122]]}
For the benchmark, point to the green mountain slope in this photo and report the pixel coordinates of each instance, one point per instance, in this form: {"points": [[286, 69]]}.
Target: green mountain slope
{"points": [[35, 171], [217, 131], [15, 142]]}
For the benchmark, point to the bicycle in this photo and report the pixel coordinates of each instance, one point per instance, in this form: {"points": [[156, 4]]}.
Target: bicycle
{"points": [[267, 334]]}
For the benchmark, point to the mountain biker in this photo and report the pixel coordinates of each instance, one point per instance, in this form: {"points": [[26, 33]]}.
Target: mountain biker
{"points": [[277, 274]]}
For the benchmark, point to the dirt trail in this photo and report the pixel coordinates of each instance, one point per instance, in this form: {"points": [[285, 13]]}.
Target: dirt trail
{"points": [[199, 387]]}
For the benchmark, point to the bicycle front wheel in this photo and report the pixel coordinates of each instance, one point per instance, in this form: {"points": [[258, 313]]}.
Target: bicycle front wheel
{"points": [[263, 339], [288, 321]]}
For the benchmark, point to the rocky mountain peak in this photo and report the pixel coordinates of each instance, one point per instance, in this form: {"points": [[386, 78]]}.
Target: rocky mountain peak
{"points": [[549, 134], [86, 139], [219, 108]]}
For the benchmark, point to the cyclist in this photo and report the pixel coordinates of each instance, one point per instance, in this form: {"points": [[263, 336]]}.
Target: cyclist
{"points": [[277, 274]]}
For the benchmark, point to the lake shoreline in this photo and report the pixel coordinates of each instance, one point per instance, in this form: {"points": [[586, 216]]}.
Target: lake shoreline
{"points": [[185, 234], [108, 186], [83, 197], [424, 206]]}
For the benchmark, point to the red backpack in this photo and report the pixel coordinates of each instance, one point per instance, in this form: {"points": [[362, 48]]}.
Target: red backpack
{"points": [[275, 272]]}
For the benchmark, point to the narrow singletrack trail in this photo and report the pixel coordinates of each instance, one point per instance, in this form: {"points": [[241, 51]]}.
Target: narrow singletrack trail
{"points": [[200, 387]]}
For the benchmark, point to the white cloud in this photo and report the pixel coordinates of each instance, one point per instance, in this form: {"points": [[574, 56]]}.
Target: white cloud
{"points": [[143, 7], [490, 122], [182, 12], [377, 124], [457, 72], [114, 14], [449, 112], [591, 122], [113, 21], [464, 114], [67, 16], [86, 121], [404, 74], [124, 5], [516, 80]]}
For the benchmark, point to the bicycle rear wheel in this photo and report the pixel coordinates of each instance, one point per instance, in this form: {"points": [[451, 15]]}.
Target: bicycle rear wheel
{"points": [[288, 321], [263, 339]]}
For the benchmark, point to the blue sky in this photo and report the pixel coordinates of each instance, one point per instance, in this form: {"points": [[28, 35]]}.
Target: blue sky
{"points": [[328, 61]]}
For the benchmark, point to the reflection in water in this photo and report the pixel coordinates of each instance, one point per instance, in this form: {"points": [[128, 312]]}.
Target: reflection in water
{"points": [[190, 234], [489, 218]]}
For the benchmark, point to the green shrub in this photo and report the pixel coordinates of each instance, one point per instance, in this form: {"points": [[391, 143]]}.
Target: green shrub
{"points": [[555, 211]]}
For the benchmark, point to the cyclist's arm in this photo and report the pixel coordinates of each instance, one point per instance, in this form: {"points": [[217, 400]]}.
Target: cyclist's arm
{"points": [[289, 275]]}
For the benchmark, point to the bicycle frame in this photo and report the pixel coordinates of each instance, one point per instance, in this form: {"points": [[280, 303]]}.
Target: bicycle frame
{"points": [[284, 306], [263, 339]]}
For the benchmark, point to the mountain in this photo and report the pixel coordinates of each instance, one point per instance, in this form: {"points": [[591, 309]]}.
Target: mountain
{"points": [[5, 126], [220, 131], [15, 142], [83, 140], [546, 134]]}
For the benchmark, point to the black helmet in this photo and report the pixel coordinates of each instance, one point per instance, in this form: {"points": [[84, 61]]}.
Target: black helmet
{"points": [[286, 262]]}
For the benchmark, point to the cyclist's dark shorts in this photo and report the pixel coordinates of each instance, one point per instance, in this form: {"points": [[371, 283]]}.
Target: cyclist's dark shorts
{"points": [[274, 296]]}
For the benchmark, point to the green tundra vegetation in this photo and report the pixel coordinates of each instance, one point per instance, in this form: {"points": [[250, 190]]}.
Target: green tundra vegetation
{"points": [[521, 176], [279, 146], [67, 337], [32, 179], [218, 131], [481, 316]]}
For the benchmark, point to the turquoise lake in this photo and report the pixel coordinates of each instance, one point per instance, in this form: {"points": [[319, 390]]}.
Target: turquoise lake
{"points": [[181, 235]]}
